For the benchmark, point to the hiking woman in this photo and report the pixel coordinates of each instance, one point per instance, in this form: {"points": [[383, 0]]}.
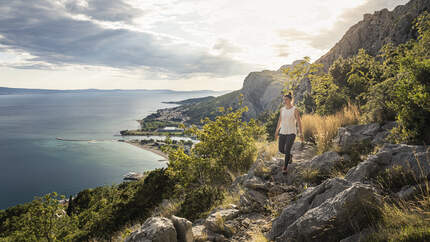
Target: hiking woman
{"points": [[289, 119]]}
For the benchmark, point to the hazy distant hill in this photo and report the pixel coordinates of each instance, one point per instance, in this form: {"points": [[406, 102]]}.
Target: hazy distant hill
{"points": [[10, 91]]}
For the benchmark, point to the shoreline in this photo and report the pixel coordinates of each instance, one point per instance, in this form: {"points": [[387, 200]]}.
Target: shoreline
{"points": [[149, 148]]}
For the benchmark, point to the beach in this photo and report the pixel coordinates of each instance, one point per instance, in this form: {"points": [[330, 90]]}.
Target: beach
{"points": [[149, 148]]}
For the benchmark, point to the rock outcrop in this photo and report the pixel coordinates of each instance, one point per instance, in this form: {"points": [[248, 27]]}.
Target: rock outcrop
{"points": [[411, 158], [372, 134], [183, 229], [322, 164], [329, 211], [155, 229], [376, 30]]}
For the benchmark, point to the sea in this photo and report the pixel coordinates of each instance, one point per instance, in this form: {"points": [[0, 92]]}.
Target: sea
{"points": [[33, 162]]}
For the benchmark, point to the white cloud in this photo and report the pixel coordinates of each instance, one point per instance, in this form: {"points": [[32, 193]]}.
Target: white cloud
{"points": [[181, 44]]}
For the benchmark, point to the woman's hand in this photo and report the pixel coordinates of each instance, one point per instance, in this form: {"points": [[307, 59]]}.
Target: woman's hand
{"points": [[276, 135], [302, 138]]}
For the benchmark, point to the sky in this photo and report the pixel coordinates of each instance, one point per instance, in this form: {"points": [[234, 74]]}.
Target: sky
{"points": [[165, 44]]}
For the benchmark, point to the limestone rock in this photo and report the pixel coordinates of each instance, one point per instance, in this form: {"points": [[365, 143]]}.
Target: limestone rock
{"points": [[183, 229], [323, 163], [215, 219], [202, 234], [325, 212], [256, 183], [355, 134], [155, 229], [309, 199], [253, 200], [410, 157], [376, 30]]}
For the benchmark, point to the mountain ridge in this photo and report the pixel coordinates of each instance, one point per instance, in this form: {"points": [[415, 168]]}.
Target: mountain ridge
{"points": [[377, 29], [262, 90]]}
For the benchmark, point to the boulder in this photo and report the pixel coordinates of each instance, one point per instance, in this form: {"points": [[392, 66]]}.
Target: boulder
{"points": [[253, 200], [202, 234], [413, 158], [256, 183], [355, 134], [155, 229], [183, 229], [215, 221], [324, 163], [330, 210], [309, 199]]}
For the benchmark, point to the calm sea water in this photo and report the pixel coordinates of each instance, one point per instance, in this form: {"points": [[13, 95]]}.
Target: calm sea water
{"points": [[33, 162]]}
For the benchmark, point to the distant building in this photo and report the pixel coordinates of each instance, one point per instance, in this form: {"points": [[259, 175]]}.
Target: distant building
{"points": [[170, 129]]}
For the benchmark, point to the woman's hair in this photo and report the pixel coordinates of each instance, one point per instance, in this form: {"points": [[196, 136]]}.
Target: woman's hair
{"points": [[288, 95]]}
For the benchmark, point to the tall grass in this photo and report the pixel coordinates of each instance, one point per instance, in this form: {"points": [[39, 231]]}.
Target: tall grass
{"points": [[267, 150], [322, 129], [404, 220]]}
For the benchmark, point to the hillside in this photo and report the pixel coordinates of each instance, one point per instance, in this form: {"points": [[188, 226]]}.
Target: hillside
{"points": [[261, 92], [19, 91], [376, 30]]}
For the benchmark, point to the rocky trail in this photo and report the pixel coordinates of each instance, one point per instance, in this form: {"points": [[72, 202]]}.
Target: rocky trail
{"points": [[310, 203]]}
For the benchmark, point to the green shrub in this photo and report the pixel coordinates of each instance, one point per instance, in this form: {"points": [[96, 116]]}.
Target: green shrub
{"points": [[199, 201]]}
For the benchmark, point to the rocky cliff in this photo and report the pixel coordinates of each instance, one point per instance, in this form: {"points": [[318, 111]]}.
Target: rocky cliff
{"points": [[261, 92], [376, 30]]}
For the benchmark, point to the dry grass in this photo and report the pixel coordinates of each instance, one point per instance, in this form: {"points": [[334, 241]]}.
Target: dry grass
{"points": [[231, 198], [258, 237], [267, 150], [310, 175], [322, 129], [404, 220], [167, 208]]}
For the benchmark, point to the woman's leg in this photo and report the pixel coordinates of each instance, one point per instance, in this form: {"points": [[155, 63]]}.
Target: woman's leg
{"points": [[289, 141], [281, 143]]}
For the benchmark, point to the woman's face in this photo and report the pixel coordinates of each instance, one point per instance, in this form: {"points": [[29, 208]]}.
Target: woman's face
{"points": [[287, 100]]}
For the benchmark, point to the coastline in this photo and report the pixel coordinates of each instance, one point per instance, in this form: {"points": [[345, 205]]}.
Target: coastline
{"points": [[149, 148]]}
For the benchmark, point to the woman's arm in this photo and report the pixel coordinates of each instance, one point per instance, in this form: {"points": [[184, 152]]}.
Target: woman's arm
{"points": [[278, 126], [299, 122]]}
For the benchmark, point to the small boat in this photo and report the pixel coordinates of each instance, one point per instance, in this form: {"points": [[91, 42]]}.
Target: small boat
{"points": [[133, 176]]}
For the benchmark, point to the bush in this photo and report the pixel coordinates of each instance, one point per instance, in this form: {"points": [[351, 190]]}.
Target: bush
{"points": [[199, 201], [226, 147]]}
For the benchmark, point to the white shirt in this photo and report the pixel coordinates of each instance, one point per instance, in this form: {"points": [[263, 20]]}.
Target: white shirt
{"points": [[288, 121]]}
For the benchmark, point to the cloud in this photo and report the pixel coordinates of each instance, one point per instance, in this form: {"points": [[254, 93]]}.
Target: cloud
{"points": [[326, 38], [46, 31], [225, 47], [104, 10], [282, 50]]}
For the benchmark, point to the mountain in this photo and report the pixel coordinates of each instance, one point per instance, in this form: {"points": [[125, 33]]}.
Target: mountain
{"points": [[262, 90], [376, 30], [10, 91]]}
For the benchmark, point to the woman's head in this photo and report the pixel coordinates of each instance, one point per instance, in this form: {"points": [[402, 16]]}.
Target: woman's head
{"points": [[288, 98]]}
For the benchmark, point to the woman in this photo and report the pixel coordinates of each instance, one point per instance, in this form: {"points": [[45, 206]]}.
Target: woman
{"points": [[289, 119]]}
